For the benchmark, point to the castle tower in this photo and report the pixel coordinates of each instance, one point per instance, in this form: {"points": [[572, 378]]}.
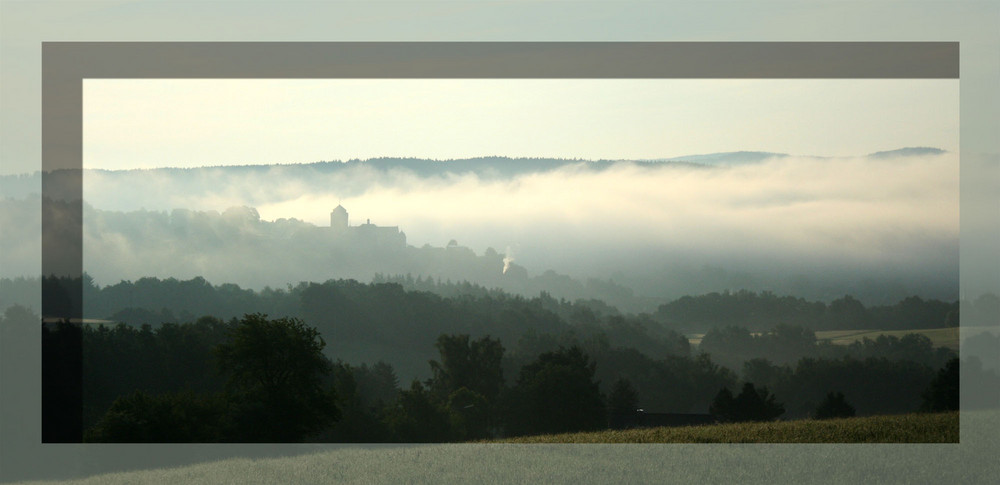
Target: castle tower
{"points": [[338, 218]]}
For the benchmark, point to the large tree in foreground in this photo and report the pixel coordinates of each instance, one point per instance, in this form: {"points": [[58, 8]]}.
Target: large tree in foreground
{"points": [[276, 371], [469, 379], [472, 364], [557, 393]]}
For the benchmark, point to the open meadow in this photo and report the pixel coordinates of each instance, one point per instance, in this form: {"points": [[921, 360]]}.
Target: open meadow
{"points": [[906, 428]]}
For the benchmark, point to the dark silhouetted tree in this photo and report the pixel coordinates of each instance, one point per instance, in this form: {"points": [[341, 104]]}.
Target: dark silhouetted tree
{"points": [[557, 393], [723, 407], [417, 418], [943, 393], [377, 384], [623, 403], [847, 312], [359, 422], [750, 405], [470, 414], [167, 418], [623, 400], [472, 364], [757, 404], [276, 372], [763, 372], [728, 340], [834, 406], [788, 343]]}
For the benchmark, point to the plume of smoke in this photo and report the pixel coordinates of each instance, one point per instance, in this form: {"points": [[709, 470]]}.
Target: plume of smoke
{"points": [[507, 259]]}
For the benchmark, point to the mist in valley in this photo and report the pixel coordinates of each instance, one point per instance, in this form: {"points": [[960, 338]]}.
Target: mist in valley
{"points": [[620, 222], [879, 227]]}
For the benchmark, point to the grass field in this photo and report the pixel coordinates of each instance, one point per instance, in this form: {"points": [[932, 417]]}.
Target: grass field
{"points": [[907, 428], [971, 461]]}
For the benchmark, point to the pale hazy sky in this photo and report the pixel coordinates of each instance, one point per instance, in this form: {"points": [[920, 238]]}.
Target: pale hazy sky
{"points": [[150, 123]]}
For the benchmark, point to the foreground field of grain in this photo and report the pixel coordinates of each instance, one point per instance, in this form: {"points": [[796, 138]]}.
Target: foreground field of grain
{"points": [[907, 428], [973, 460]]}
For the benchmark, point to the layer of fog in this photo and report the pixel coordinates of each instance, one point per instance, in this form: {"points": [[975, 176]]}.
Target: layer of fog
{"points": [[838, 223]]}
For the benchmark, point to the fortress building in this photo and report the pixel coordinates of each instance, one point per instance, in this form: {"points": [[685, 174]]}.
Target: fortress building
{"points": [[366, 234], [338, 218]]}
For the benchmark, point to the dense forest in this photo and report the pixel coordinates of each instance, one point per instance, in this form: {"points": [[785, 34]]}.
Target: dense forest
{"points": [[237, 381], [408, 365], [154, 300], [758, 311]]}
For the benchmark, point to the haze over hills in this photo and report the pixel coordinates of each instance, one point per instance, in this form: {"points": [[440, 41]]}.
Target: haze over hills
{"points": [[22, 185], [882, 226], [725, 158], [908, 152]]}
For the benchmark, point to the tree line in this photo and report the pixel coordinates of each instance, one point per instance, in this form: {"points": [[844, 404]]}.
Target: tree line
{"points": [[184, 358], [269, 381], [153, 300], [760, 311], [360, 320], [211, 381], [733, 345], [359, 323]]}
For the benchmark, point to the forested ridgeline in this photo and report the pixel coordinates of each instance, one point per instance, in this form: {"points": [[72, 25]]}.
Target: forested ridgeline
{"points": [[262, 379], [384, 320], [311, 175], [154, 300], [759, 311], [381, 334]]}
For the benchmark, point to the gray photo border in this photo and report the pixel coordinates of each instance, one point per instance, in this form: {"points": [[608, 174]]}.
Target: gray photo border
{"points": [[66, 64]]}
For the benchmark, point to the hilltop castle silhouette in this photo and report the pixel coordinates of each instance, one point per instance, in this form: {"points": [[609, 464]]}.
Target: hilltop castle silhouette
{"points": [[367, 233]]}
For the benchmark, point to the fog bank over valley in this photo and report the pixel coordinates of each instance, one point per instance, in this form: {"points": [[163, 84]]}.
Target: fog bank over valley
{"points": [[880, 227]]}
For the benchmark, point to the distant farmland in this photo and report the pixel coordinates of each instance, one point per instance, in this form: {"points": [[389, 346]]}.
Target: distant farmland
{"points": [[906, 428], [940, 337]]}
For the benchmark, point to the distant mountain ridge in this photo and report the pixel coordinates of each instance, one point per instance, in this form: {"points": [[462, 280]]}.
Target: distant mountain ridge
{"points": [[489, 167], [908, 152], [722, 158]]}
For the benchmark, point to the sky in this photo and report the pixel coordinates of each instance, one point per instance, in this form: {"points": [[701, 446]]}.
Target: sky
{"points": [[148, 123]]}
